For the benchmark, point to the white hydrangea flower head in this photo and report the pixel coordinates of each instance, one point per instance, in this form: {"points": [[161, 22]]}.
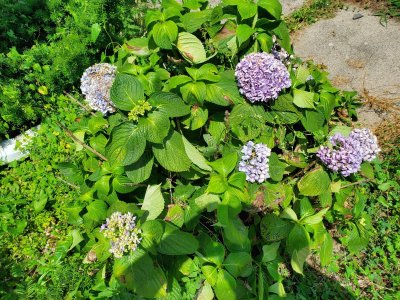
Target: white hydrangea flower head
{"points": [[96, 83]]}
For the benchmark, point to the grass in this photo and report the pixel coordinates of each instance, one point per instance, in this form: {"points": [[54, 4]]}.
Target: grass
{"points": [[311, 12]]}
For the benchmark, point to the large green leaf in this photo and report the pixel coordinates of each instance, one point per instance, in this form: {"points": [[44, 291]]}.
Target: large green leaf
{"points": [[212, 251], [171, 154], [326, 250], [152, 231], [140, 170], [194, 20], [224, 92], [153, 201], [236, 236], [243, 33], [138, 273], [298, 246], [177, 242], [96, 213], [195, 156], [303, 99], [314, 183], [155, 126], [273, 228], [165, 34], [191, 48], [170, 104], [247, 10], [126, 145], [247, 121], [276, 167], [274, 7], [225, 286], [239, 264], [126, 91]]}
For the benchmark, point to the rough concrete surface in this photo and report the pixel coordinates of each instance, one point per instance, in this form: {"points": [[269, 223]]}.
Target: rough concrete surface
{"points": [[360, 55], [289, 6]]}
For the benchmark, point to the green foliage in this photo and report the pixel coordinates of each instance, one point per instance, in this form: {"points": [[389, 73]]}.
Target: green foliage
{"points": [[79, 33], [175, 164]]}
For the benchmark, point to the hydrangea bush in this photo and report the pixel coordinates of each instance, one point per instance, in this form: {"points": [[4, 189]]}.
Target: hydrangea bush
{"points": [[212, 173]]}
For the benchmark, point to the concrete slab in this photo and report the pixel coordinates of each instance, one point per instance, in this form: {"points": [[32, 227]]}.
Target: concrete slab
{"points": [[359, 52], [289, 6]]}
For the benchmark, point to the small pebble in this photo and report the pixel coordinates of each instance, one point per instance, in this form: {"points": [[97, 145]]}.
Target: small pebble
{"points": [[357, 16]]}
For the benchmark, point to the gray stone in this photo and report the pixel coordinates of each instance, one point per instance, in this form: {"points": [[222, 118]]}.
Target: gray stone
{"points": [[357, 16], [361, 56]]}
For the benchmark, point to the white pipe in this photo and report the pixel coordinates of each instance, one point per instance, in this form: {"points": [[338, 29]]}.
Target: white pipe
{"points": [[8, 153]]}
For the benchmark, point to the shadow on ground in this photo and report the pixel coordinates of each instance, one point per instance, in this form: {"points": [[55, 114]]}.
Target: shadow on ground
{"points": [[316, 285]]}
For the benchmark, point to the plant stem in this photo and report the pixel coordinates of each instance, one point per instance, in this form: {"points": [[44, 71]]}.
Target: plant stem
{"points": [[71, 135], [80, 104]]}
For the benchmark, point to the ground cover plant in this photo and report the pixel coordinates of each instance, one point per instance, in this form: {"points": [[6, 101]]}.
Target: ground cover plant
{"points": [[214, 162]]}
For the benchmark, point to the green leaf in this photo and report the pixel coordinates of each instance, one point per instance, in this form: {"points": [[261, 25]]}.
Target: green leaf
{"points": [[94, 32], [198, 117], [175, 215], [247, 121], [103, 185], [177, 242], [276, 167], [152, 231], [225, 92], [191, 48], [238, 180], [208, 201], [126, 145], [153, 201], [96, 213], [195, 19], [207, 72], [210, 273], [76, 238], [277, 288], [140, 170], [247, 10], [303, 99], [326, 250], [270, 252], [165, 34], [217, 184], [169, 103], [213, 252], [138, 46], [205, 292], [126, 91], [138, 273], [155, 126], [171, 153], [236, 236], [225, 286], [274, 7], [194, 92], [315, 219], [243, 33], [195, 156], [298, 246], [225, 165], [123, 184], [97, 123], [239, 264], [314, 183], [367, 170], [313, 121], [273, 228]]}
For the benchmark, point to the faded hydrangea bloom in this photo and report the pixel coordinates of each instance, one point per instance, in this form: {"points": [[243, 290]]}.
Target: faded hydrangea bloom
{"points": [[261, 77], [96, 83], [123, 234], [344, 157], [369, 147], [255, 162]]}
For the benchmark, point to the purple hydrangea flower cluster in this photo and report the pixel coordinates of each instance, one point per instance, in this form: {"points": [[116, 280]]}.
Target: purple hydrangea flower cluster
{"points": [[123, 234], [255, 161], [96, 84], [261, 77], [347, 153], [369, 147]]}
